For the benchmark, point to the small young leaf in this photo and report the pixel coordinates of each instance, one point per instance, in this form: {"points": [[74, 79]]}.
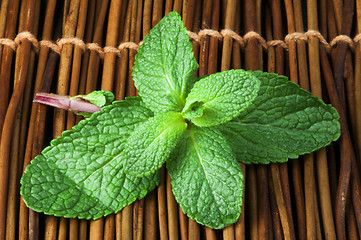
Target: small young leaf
{"points": [[81, 174], [283, 122], [206, 178], [149, 146], [98, 98], [165, 65], [220, 97]]}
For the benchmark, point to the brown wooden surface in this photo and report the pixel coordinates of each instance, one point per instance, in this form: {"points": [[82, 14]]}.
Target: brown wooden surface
{"points": [[315, 197]]}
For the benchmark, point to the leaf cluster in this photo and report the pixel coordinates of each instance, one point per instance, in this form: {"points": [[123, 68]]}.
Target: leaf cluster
{"points": [[201, 128]]}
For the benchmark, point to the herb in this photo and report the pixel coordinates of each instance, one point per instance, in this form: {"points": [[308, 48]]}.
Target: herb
{"points": [[199, 127]]}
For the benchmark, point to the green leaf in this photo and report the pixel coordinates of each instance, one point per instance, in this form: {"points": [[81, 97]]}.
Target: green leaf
{"points": [[81, 174], [98, 98], [206, 178], [149, 146], [165, 65], [220, 97], [283, 122]]}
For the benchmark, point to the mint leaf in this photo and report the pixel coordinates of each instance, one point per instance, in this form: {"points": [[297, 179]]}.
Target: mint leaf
{"points": [[283, 122], [206, 178], [220, 97], [98, 98], [149, 146], [81, 174], [165, 65]]}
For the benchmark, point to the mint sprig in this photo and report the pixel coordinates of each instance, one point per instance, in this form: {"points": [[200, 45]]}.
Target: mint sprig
{"points": [[201, 128], [81, 174]]}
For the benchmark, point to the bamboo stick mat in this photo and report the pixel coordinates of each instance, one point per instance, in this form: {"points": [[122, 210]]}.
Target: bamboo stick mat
{"points": [[315, 43]]}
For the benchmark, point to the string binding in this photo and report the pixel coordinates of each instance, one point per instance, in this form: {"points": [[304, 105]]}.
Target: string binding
{"points": [[198, 37]]}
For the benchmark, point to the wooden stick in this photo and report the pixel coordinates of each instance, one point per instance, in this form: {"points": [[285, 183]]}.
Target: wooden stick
{"points": [[277, 227], [20, 82], [345, 142], [138, 214], [7, 55], [123, 68], [351, 223], [337, 6], [3, 11], [188, 13], [357, 64], [278, 189], [150, 216], [263, 196], [193, 230], [157, 11], [122, 19], [94, 59], [292, 44], [240, 231], [63, 229], [13, 186], [83, 229], [177, 6], [111, 40], [131, 91], [77, 56], [324, 193], [162, 209], [204, 45], [236, 47], [96, 229], [90, 22], [118, 226], [147, 17], [28, 93], [309, 200], [213, 44], [15, 146], [168, 6], [51, 224], [172, 210], [251, 201], [228, 41], [183, 222], [16, 166], [194, 26]]}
